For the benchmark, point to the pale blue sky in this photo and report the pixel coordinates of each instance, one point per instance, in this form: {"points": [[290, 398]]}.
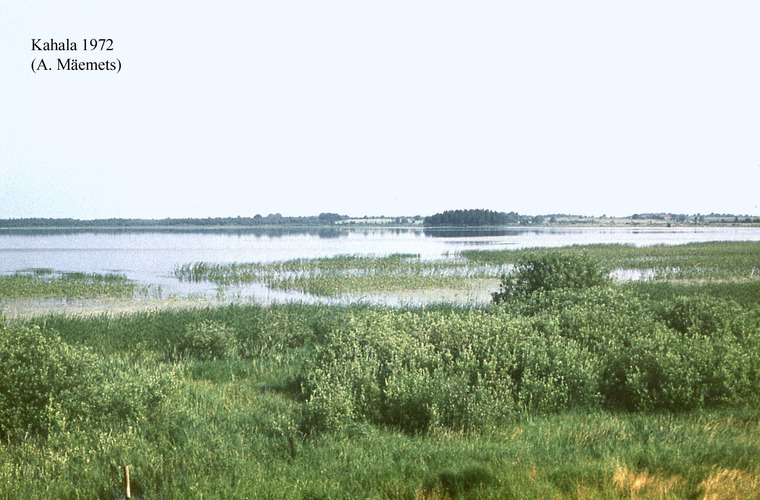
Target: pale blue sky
{"points": [[396, 107]]}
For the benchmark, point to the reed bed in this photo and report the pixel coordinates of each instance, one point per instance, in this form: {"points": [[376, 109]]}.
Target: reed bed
{"points": [[723, 260], [346, 274], [360, 274], [47, 284]]}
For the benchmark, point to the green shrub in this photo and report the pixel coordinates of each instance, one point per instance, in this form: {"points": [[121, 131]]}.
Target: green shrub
{"points": [[43, 381], [625, 351], [205, 340], [461, 371], [47, 384], [701, 314], [132, 391], [550, 271], [476, 369], [382, 367], [330, 405], [553, 373]]}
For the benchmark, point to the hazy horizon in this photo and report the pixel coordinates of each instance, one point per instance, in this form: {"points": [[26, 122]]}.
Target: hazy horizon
{"points": [[384, 215]]}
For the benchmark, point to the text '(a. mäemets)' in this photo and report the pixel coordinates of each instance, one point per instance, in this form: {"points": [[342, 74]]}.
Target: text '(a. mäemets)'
{"points": [[89, 45]]}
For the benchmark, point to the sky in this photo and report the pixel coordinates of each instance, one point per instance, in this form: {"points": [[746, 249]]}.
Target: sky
{"points": [[389, 107]]}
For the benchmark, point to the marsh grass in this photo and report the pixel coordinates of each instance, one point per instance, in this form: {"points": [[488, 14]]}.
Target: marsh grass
{"points": [[231, 439], [46, 284], [636, 390], [356, 275], [346, 274], [722, 260]]}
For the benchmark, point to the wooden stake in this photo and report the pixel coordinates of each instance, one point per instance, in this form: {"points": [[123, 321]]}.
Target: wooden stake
{"points": [[126, 472]]}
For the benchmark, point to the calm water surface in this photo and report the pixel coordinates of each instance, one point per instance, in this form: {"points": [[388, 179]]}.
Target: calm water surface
{"points": [[149, 257]]}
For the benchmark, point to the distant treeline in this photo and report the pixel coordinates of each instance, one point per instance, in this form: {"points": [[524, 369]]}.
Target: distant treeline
{"points": [[699, 218], [255, 221], [449, 218], [479, 217]]}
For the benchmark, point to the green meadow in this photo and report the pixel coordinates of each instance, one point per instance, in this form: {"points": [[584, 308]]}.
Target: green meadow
{"points": [[568, 384]]}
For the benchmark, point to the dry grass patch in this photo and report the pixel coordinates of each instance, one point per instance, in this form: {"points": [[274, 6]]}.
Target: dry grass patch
{"points": [[644, 484], [731, 484]]}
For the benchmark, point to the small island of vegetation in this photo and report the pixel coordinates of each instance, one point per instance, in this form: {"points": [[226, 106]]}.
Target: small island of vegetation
{"points": [[479, 217]]}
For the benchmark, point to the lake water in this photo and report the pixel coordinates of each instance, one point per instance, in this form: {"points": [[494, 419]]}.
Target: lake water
{"points": [[149, 257]]}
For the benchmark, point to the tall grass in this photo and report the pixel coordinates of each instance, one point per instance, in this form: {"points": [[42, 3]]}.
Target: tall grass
{"points": [[635, 390], [360, 401], [471, 269], [45, 283], [345, 274], [693, 261]]}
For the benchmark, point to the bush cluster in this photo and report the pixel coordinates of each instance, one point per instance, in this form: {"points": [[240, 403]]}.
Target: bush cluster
{"points": [[47, 385], [204, 341], [543, 272], [601, 347]]}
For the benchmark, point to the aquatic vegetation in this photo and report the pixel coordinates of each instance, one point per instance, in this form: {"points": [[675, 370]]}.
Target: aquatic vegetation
{"points": [[358, 275], [45, 283], [693, 261], [345, 274]]}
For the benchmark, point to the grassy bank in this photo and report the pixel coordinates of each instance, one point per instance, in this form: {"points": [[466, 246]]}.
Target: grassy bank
{"points": [[646, 390], [360, 402]]}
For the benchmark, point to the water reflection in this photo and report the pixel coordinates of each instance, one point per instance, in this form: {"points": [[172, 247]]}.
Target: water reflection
{"points": [[473, 232], [269, 232]]}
